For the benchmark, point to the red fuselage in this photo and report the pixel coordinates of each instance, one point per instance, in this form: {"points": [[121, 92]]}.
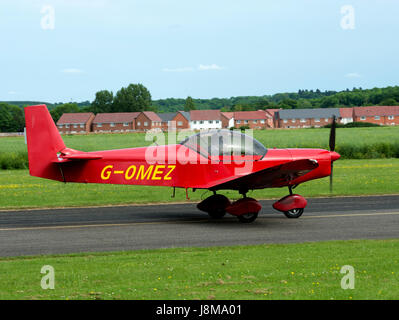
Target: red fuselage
{"points": [[181, 167]]}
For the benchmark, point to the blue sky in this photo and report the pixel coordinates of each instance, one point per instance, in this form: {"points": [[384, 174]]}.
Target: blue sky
{"points": [[176, 48]]}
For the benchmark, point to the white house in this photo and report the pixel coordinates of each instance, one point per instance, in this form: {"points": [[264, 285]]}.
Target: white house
{"points": [[205, 119]]}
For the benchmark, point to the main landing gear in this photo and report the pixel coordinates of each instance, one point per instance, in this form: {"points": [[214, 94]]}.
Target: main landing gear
{"points": [[217, 205], [247, 209]]}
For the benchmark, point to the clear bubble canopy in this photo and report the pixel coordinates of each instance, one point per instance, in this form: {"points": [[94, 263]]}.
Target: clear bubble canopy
{"points": [[223, 142]]}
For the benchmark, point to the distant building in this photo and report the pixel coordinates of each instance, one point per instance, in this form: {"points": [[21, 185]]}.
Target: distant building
{"points": [[71, 123], [182, 120], [115, 122], [227, 119], [273, 113], [148, 120], [346, 115], [306, 118], [253, 119], [382, 115], [175, 120], [166, 119], [205, 119]]}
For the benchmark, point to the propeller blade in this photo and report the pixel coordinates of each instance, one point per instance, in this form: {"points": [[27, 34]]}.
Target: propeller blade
{"points": [[332, 134], [332, 148]]}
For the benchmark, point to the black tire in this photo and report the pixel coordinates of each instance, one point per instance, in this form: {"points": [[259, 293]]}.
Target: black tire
{"points": [[217, 214], [216, 204], [248, 217], [294, 213]]}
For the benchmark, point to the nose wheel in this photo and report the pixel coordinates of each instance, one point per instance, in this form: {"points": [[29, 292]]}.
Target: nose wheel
{"points": [[293, 213], [292, 205]]}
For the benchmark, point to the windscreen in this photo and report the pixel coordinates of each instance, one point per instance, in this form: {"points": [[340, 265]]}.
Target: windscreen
{"points": [[224, 143]]}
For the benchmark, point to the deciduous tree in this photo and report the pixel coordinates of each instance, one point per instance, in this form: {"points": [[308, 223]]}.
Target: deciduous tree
{"points": [[134, 97]]}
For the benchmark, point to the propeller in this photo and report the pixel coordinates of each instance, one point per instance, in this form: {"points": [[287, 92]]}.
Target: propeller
{"points": [[332, 148]]}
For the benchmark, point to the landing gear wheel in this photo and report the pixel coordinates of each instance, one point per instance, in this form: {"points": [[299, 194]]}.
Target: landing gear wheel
{"points": [[294, 213], [248, 217], [217, 214], [215, 206]]}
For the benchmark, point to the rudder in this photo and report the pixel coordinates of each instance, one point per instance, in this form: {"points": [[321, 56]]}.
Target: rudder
{"points": [[44, 142]]}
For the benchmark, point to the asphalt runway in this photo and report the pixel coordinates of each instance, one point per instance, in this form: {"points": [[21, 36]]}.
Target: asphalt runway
{"points": [[54, 231]]}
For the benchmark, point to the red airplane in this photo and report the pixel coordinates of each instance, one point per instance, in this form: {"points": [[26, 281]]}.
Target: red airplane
{"points": [[213, 160]]}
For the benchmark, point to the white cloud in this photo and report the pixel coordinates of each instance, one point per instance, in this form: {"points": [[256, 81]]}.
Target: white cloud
{"points": [[201, 67], [213, 66], [72, 71], [353, 75], [184, 69], [12, 92]]}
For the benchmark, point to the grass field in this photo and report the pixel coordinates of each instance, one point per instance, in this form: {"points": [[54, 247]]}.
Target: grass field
{"points": [[351, 177], [290, 271], [290, 138], [352, 143]]}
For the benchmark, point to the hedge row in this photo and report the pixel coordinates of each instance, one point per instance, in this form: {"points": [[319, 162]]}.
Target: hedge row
{"points": [[369, 151], [14, 160], [353, 125]]}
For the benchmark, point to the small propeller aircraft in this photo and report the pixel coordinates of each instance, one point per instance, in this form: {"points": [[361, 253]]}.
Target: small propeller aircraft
{"points": [[214, 160]]}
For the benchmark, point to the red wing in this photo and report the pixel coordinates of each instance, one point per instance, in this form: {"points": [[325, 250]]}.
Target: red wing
{"points": [[273, 177]]}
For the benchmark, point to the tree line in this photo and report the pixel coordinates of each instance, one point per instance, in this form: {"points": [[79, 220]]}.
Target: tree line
{"points": [[11, 118], [303, 99], [136, 97], [133, 98]]}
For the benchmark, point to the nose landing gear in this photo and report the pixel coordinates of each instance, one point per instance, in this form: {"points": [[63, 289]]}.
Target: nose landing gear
{"points": [[293, 213], [292, 205]]}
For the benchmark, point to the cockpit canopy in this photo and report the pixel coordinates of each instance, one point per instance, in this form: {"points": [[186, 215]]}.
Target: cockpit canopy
{"points": [[223, 142]]}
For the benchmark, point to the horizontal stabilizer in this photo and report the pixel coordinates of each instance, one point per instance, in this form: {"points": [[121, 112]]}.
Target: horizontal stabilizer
{"points": [[82, 156], [68, 154]]}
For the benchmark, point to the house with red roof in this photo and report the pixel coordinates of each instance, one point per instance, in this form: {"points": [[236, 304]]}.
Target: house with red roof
{"points": [[215, 119], [71, 123], [205, 119], [253, 119], [115, 122], [148, 120], [227, 119], [274, 114], [346, 115], [382, 115], [179, 120]]}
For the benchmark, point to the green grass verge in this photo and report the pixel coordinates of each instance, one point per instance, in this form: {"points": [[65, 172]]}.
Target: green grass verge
{"points": [[277, 271], [351, 177]]}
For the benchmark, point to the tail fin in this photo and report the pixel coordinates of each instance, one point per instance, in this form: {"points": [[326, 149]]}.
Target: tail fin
{"points": [[44, 142]]}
